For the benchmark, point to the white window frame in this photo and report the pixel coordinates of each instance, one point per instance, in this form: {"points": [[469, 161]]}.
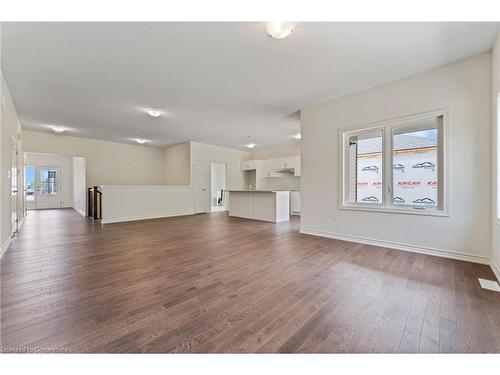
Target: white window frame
{"points": [[407, 123]]}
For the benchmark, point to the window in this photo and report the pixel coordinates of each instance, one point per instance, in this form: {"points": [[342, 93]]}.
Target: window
{"points": [[365, 167], [29, 183], [397, 166], [48, 181]]}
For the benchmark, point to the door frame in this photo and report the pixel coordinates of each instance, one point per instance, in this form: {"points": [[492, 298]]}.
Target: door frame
{"points": [[34, 187], [195, 184], [14, 190], [225, 198]]}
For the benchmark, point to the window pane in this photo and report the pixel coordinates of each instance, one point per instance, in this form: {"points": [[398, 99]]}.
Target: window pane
{"points": [[29, 183], [365, 168], [48, 181], [415, 168]]}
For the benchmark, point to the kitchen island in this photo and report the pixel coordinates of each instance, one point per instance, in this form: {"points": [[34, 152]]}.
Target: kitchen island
{"points": [[263, 205]]}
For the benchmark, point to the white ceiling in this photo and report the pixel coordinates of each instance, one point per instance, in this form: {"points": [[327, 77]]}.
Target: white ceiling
{"points": [[219, 82]]}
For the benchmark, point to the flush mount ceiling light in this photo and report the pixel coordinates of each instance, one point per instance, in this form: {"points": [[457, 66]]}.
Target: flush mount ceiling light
{"points": [[250, 144], [58, 129], [141, 141], [297, 136], [279, 30], [153, 112]]}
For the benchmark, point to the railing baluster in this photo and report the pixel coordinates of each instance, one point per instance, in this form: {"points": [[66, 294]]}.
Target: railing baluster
{"points": [[95, 203], [100, 204], [90, 204]]}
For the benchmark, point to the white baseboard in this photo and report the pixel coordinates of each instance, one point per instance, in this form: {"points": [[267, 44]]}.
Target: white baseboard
{"points": [[21, 222], [79, 211], [496, 269], [5, 245], [400, 246], [132, 218], [218, 209]]}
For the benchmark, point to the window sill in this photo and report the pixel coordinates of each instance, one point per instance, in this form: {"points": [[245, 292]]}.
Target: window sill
{"points": [[403, 211]]}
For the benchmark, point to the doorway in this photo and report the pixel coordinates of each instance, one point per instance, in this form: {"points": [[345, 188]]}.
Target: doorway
{"points": [[202, 186], [13, 174], [42, 187], [217, 187]]}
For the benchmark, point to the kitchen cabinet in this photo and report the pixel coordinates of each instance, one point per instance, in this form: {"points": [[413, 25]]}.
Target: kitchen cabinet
{"points": [[297, 171], [269, 168], [249, 165], [263, 205], [277, 167]]}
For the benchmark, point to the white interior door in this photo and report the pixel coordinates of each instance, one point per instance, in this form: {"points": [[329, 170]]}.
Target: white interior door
{"points": [[202, 186], [13, 187], [48, 187]]}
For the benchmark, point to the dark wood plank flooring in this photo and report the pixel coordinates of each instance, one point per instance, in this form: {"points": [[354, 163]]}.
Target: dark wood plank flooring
{"points": [[211, 283]]}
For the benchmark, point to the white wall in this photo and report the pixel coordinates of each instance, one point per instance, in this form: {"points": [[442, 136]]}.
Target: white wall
{"points": [[9, 127], [495, 249], [129, 202], [287, 182], [79, 184], [275, 152], [465, 89], [177, 164], [65, 164], [235, 178], [146, 202], [108, 163]]}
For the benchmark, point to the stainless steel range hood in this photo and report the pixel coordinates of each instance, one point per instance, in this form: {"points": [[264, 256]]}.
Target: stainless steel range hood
{"points": [[285, 170]]}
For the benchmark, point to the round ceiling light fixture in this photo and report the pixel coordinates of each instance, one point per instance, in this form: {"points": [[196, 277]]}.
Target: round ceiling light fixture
{"points": [[58, 129], [297, 136], [153, 112], [279, 30], [141, 141], [250, 144]]}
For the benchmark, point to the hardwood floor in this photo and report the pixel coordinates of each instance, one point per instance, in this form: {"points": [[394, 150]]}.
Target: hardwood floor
{"points": [[211, 283]]}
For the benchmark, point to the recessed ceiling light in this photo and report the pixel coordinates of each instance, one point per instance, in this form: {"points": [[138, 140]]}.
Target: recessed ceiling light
{"points": [[279, 30], [297, 136], [141, 141], [58, 129], [153, 112], [250, 145]]}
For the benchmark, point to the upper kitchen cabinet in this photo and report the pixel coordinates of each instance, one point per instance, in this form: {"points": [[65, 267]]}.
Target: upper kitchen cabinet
{"points": [[249, 165], [277, 167], [282, 167], [296, 170], [272, 168]]}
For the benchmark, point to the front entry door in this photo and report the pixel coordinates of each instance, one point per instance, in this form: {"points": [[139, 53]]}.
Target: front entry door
{"points": [[202, 186], [48, 187]]}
